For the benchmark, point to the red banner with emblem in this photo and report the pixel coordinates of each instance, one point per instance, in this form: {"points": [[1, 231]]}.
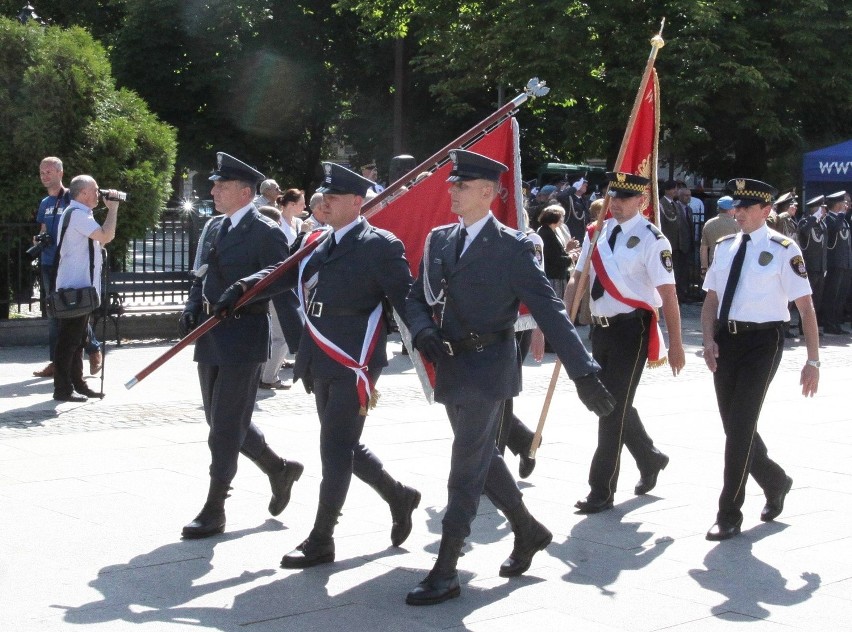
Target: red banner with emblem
{"points": [[639, 148], [416, 211]]}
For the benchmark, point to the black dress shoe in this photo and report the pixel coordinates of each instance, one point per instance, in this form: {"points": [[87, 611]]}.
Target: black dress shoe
{"points": [[648, 480], [722, 531], [282, 485], [434, 589], [309, 553], [587, 506], [775, 502], [71, 397], [208, 523], [89, 392], [526, 465]]}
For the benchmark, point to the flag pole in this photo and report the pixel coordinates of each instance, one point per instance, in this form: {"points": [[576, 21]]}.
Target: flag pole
{"points": [[534, 88], [314, 240], [657, 43]]}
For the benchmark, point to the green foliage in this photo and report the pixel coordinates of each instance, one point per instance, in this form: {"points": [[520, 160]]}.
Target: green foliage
{"points": [[57, 98]]}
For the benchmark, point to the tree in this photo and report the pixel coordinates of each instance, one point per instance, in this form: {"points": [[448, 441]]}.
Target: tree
{"points": [[57, 98]]}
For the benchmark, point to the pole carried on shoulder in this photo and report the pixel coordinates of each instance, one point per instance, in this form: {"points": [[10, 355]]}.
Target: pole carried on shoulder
{"points": [[313, 241], [657, 43]]}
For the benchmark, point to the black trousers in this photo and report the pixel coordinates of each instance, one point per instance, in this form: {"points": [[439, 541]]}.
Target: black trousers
{"points": [[746, 365], [476, 465], [622, 350], [680, 263], [513, 433], [341, 450], [817, 282], [834, 296], [68, 355], [228, 392]]}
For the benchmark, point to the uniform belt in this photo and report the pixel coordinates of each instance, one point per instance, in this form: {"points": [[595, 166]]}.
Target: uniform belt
{"points": [[477, 342], [261, 307], [606, 321], [320, 310], [741, 326]]}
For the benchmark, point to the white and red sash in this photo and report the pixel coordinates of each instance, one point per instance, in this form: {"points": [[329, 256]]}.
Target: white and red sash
{"points": [[610, 277], [367, 395]]}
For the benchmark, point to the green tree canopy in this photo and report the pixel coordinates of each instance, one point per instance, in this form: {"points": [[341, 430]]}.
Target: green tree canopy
{"points": [[57, 98]]}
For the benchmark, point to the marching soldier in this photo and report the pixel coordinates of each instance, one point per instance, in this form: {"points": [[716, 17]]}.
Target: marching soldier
{"points": [[631, 277], [813, 244], [838, 238], [342, 352], [230, 357], [754, 275], [462, 311]]}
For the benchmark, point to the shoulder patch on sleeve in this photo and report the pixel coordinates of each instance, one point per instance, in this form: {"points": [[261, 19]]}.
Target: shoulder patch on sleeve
{"points": [[780, 239], [798, 265], [656, 231], [725, 238]]}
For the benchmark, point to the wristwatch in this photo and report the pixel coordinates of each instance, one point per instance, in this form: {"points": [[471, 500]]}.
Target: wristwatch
{"points": [[814, 363]]}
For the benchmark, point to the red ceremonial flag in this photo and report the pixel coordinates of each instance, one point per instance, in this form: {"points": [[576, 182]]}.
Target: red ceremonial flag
{"points": [[639, 149], [415, 212]]}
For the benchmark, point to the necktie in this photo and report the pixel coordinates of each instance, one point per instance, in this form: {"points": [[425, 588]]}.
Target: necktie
{"points": [[733, 279], [224, 228], [332, 243], [460, 243], [597, 286]]}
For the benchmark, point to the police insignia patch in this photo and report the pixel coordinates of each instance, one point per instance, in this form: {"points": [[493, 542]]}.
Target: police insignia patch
{"points": [[798, 265], [764, 258], [633, 241], [666, 259]]}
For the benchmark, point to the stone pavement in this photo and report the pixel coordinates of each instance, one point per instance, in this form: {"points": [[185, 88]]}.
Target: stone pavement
{"points": [[93, 496]]}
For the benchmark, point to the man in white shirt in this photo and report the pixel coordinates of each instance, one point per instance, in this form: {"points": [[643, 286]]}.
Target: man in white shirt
{"points": [[81, 240]]}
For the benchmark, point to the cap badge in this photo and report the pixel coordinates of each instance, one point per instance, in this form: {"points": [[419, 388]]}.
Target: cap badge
{"points": [[327, 168], [454, 157], [621, 177], [740, 185]]}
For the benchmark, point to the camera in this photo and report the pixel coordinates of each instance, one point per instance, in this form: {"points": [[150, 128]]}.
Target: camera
{"points": [[114, 196], [42, 241]]}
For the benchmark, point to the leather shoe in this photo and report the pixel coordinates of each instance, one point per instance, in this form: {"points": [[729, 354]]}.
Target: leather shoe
{"points": [[526, 465], [309, 553], [519, 561], [277, 385], [282, 485], [71, 397], [96, 362], [434, 589], [722, 531], [648, 480], [587, 506], [89, 392], [208, 523], [45, 372], [775, 502]]}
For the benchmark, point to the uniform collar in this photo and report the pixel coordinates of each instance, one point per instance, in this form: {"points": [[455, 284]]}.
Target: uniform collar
{"points": [[630, 224], [238, 215], [759, 235], [340, 233]]}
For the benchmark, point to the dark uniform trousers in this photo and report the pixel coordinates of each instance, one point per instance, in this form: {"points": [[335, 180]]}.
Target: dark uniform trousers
{"points": [[513, 433], [68, 354], [622, 350], [228, 392], [746, 365], [476, 465], [834, 295], [341, 450]]}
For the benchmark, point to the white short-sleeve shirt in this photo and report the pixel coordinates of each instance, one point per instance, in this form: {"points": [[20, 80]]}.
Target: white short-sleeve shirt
{"points": [[644, 259], [73, 269], [773, 274]]}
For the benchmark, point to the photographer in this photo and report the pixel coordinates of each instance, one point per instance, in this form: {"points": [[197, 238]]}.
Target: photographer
{"points": [[79, 266], [44, 247]]}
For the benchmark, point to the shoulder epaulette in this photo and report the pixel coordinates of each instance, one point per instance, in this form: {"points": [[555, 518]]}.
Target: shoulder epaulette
{"points": [[437, 228], [657, 232], [726, 237], [781, 239]]}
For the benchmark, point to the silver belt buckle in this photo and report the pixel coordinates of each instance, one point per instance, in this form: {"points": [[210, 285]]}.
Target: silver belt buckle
{"points": [[315, 310], [732, 327], [448, 346], [207, 308], [603, 321]]}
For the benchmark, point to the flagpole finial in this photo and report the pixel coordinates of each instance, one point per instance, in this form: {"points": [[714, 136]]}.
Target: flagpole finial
{"points": [[536, 88], [657, 41]]}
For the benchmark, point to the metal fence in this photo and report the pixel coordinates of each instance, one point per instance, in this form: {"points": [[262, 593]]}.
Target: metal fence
{"points": [[169, 247]]}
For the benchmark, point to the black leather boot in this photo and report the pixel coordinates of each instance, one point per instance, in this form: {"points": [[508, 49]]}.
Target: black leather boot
{"points": [[530, 537], [282, 474], [442, 582], [402, 500], [211, 520], [318, 548]]}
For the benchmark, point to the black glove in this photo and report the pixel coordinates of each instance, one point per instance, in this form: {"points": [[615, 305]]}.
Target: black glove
{"points": [[594, 395], [187, 322], [430, 344], [224, 307]]}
